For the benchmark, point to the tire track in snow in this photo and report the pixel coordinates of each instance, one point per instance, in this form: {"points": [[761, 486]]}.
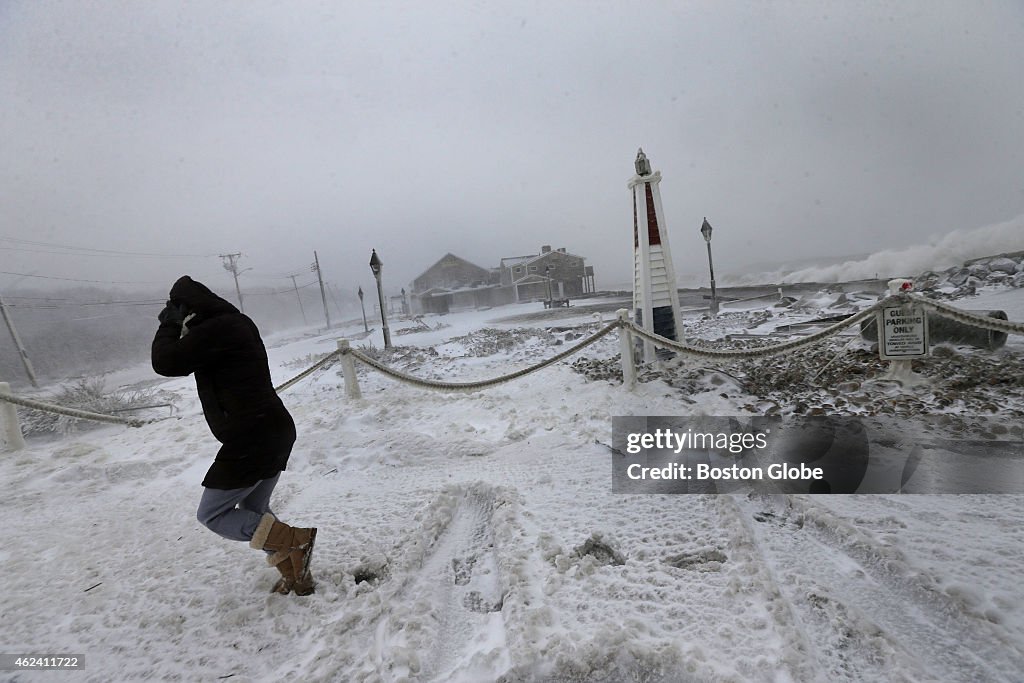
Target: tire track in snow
{"points": [[865, 620], [745, 554], [888, 566], [450, 612]]}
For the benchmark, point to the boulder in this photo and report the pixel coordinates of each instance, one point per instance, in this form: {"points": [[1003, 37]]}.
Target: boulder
{"points": [[967, 289], [959, 277], [927, 280], [979, 270], [1003, 265]]}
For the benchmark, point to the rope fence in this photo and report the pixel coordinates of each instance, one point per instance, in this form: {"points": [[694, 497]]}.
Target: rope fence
{"points": [[628, 329], [966, 317], [763, 352], [323, 362], [482, 384], [75, 412]]}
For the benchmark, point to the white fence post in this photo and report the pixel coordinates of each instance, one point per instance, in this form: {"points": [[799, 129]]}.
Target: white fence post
{"points": [[13, 440], [626, 350], [348, 367]]}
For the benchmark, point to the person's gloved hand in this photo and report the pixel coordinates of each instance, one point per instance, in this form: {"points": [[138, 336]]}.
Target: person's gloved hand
{"points": [[171, 315]]}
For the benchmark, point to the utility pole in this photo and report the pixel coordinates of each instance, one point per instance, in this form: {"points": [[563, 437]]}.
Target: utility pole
{"points": [[299, 298], [231, 265], [365, 326], [17, 342], [323, 294], [337, 306]]}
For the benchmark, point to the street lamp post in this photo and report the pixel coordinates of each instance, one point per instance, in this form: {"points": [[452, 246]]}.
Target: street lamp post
{"points": [[375, 266], [547, 274], [705, 230], [366, 328]]}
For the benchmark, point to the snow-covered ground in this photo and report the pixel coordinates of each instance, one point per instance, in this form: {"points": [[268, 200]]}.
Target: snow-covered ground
{"points": [[474, 537]]}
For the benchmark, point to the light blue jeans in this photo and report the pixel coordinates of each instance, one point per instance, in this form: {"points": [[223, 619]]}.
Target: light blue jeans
{"points": [[235, 513]]}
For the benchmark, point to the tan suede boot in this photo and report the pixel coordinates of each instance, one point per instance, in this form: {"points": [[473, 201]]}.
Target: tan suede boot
{"points": [[303, 583], [274, 535], [293, 578], [287, 581], [292, 552]]}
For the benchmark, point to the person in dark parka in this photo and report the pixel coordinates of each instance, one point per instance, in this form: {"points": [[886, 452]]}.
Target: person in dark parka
{"points": [[202, 333]]}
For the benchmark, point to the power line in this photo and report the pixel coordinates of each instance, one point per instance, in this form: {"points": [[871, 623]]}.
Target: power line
{"points": [[98, 282], [279, 276], [299, 297], [114, 254], [281, 291], [75, 304], [40, 298], [91, 251]]}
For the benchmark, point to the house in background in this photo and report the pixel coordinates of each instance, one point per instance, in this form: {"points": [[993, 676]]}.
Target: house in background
{"points": [[530, 276], [453, 283]]}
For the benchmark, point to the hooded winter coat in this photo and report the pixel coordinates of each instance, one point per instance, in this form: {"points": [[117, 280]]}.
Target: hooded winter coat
{"points": [[223, 348]]}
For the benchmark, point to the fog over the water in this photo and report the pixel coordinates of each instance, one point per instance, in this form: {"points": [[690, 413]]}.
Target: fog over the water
{"points": [[179, 131]]}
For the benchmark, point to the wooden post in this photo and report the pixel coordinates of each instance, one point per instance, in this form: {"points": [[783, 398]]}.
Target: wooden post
{"points": [[17, 342], [323, 295], [626, 351], [348, 368], [13, 440]]}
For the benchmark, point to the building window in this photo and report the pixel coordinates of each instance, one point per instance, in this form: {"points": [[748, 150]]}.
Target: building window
{"points": [[518, 269], [533, 269]]}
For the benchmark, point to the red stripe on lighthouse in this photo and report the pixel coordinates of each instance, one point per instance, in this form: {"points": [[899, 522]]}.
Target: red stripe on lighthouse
{"points": [[653, 234], [636, 235]]}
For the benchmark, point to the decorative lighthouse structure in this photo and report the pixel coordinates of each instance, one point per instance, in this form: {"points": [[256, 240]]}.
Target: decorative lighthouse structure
{"points": [[655, 297]]}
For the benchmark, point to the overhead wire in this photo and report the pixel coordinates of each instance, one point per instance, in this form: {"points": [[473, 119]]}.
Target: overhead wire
{"points": [[48, 303], [97, 282], [288, 290], [76, 304], [92, 251], [54, 248]]}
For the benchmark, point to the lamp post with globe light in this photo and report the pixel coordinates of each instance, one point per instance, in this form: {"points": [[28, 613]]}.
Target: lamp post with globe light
{"points": [[375, 266], [705, 230], [366, 328]]}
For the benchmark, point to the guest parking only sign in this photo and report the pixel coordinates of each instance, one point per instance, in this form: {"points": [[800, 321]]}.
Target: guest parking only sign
{"points": [[903, 333]]}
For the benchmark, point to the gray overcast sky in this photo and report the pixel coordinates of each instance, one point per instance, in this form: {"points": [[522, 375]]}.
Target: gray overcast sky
{"points": [[801, 129]]}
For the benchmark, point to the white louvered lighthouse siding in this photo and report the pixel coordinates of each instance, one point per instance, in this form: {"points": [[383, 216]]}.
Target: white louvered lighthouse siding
{"points": [[661, 284], [654, 277]]}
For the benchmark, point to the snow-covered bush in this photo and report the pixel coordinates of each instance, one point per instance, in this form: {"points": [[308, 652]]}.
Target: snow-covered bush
{"points": [[84, 394], [303, 362]]}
